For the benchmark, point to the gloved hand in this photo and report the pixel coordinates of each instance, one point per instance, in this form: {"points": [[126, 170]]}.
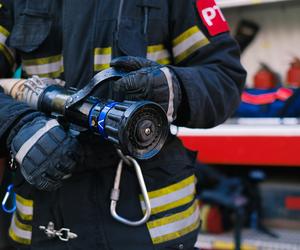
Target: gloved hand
{"points": [[45, 152], [147, 80]]}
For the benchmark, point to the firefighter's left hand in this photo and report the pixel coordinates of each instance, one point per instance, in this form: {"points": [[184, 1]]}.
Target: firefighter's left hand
{"points": [[147, 80]]}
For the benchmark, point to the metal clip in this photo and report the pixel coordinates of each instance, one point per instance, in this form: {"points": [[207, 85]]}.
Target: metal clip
{"points": [[64, 234], [13, 165], [9, 192], [115, 193]]}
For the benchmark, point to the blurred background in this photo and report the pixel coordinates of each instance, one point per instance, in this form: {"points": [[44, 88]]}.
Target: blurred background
{"points": [[249, 167]]}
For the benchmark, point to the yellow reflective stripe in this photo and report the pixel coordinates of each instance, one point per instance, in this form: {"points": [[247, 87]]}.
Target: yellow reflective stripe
{"points": [[99, 67], [44, 67], [185, 35], [155, 48], [53, 74], [42, 61], [103, 51], [159, 54], [4, 31], [177, 234], [173, 218], [27, 217], [181, 193], [50, 75], [188, 42], [174, 226], [21, 225], [7, 53], [20, 232], [24, 208], [164, 61], [23, 201], [18, 239], [172, 205], [191, 50], [102, 58], [172, 188]]}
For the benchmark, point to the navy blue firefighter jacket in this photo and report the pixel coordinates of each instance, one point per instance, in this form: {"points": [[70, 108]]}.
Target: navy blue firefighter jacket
{"points": [[72, 40]]}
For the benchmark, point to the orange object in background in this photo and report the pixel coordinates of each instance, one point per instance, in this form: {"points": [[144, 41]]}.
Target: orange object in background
{"points": [[265, 78], [293, 75], [211, 219]]}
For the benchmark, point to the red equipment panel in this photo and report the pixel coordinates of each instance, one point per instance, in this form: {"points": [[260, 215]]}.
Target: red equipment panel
{"points": [[270, 145]]}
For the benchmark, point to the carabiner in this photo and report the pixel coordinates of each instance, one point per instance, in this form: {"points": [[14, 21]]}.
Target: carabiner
{"points": [[9, 192], [115, 193]]}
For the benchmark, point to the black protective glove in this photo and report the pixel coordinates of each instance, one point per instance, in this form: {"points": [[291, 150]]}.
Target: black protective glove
{"points": [[45, 152], [147, 80]]}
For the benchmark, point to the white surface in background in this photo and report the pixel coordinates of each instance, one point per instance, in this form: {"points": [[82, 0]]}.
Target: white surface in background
{"points": [[247, 127], [278, 40], [235, 3]]}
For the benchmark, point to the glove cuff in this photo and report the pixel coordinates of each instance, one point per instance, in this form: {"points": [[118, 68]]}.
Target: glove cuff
{"points": [[27, 117], [174, 93]]}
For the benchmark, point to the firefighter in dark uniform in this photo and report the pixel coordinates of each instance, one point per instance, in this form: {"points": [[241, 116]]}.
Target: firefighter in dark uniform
{"points": [[71, 40]]}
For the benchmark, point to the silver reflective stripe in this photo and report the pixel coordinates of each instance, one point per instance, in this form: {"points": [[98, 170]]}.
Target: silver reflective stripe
{"points": [[28, 144], [187, 43], [8, 53], [102, 59], [158, 55], [172, 197], [2, 39], [18, 231], [24, 210], [176, 226], [4, 33], [43, 68], [170, 111]]}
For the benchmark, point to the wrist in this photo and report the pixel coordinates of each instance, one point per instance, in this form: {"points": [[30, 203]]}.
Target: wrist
{"points": [[24, 119], [12, 87]]}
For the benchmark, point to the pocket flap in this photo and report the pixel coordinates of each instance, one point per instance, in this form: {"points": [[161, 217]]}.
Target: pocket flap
{"points": [[30, 31]]}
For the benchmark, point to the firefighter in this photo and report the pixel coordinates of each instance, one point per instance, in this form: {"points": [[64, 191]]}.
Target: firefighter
{"points": [[63, 179]]}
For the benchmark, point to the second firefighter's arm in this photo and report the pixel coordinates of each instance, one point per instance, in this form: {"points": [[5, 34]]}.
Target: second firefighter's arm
{"points": [[208, 67], [7, 63], [2, 168], [7, 55]]}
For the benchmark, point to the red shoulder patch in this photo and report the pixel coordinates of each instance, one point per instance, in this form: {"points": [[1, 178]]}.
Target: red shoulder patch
{"points": [[212, 17]]}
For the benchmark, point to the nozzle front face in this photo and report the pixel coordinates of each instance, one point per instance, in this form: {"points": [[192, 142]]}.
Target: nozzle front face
{"points": [[139, 129], [146, 130]]}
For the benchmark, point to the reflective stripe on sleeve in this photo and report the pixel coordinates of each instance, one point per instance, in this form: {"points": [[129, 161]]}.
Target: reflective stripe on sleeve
{"points": [[51, 67], [102, 58], [24, 208], [20, 232], [3, 32], [173, 196], [8, 53], [28, 144], [188, 42], [175, 225], [158, 53], [168, 76]]}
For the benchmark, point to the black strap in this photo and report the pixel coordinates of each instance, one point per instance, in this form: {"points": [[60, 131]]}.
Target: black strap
{"points": [[96, 82]]}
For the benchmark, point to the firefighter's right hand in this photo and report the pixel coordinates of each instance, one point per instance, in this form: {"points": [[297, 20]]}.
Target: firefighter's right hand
{"points": [[45, 152]]}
